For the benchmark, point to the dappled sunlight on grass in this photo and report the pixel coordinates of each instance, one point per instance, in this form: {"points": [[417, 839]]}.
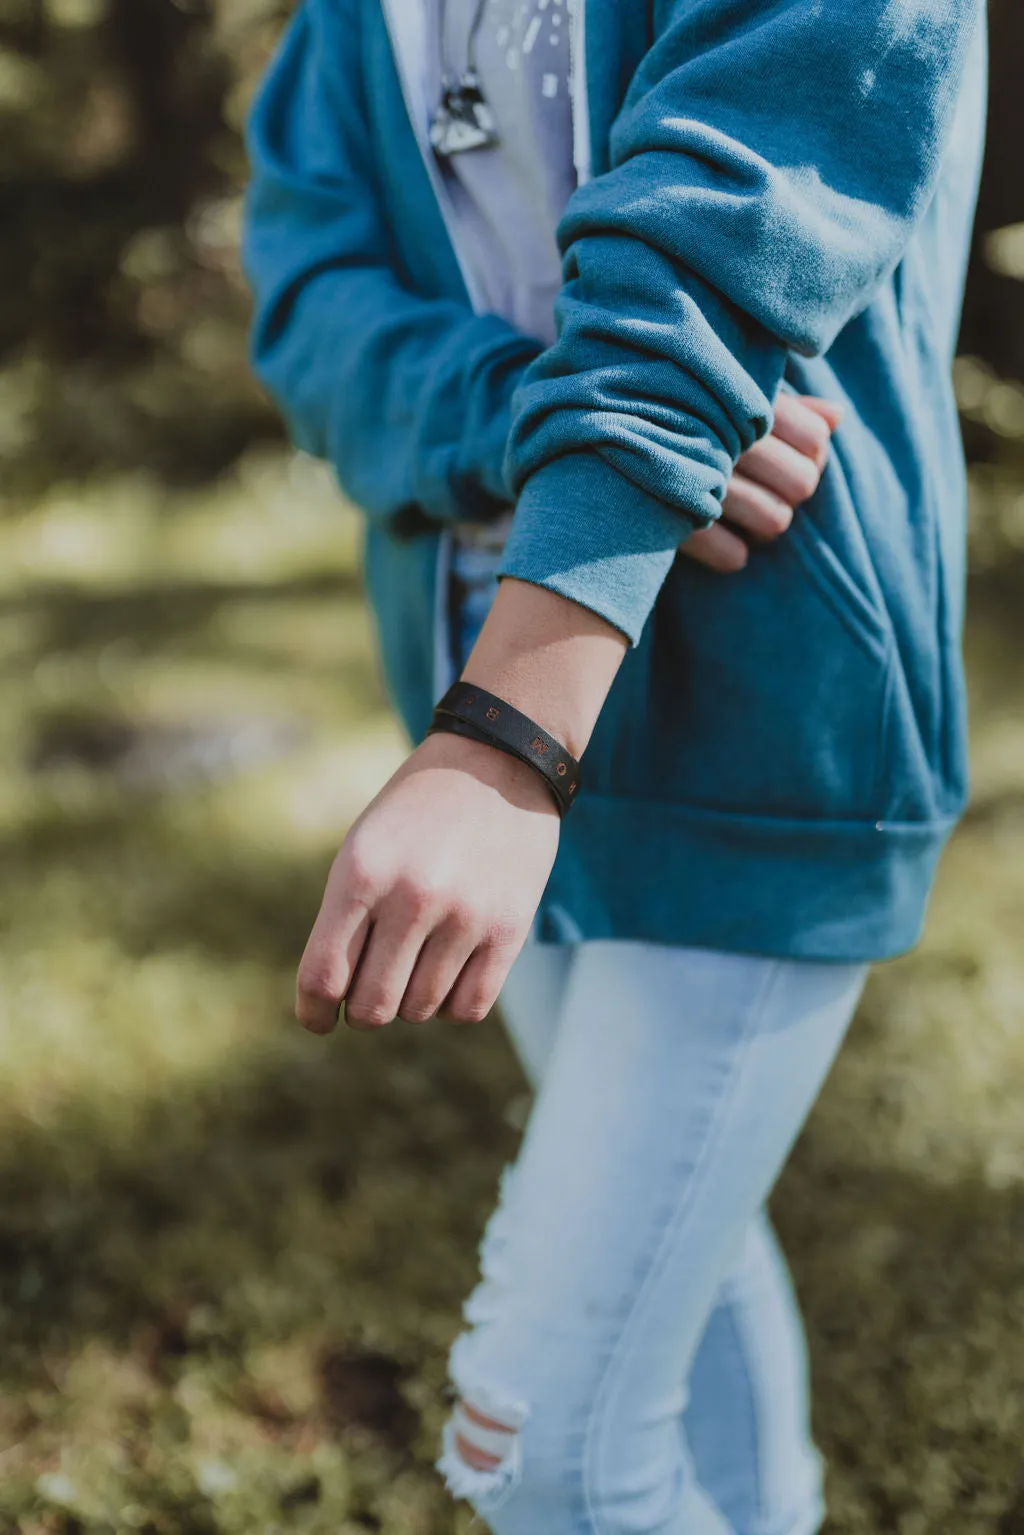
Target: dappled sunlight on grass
{"points": [[232, 1255]]}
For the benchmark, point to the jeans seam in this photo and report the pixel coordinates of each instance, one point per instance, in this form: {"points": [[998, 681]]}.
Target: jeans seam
{"points": [[602, 1397]]}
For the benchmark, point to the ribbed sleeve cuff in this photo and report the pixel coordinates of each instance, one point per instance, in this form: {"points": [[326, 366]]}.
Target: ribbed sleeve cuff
{"points": [[581, 529]]}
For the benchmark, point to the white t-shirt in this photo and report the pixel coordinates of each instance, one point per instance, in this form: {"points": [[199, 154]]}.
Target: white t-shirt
{"points": [[509, 197]]}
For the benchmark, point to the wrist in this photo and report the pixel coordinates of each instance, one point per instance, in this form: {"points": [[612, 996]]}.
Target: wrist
{"points": [[549, 658], [536, 697], [472, 711], [513, 780]]}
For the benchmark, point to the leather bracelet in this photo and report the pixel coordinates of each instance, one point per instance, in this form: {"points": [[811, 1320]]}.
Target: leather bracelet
{"points": [[466, 710]]}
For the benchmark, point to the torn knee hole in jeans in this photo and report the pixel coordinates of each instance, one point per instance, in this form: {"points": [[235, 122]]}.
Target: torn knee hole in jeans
{"points": [[481, 1460], [482, 1442], [482, 1455]]}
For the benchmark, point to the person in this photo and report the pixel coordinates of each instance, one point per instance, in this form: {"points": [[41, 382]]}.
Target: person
{"points": [[578, 454]]}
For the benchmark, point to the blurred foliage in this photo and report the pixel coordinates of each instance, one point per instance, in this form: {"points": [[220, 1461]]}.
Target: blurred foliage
{"points": [[122, 308], [231, 1256]]}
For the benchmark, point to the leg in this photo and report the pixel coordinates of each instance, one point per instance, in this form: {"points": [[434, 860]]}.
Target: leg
{"points": [[747, 1419], [748, 1415], [532, 1000], [676, 1084]]}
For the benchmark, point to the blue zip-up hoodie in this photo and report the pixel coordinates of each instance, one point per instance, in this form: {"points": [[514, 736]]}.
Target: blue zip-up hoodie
{"points": [[781, 197]]}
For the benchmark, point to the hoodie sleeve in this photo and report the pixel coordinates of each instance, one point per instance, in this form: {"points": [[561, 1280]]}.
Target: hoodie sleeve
{"points": [[765, 174], [409, 398]]}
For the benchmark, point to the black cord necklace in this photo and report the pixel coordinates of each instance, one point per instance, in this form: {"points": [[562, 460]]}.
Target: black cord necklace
{"points": [[463, 119]]}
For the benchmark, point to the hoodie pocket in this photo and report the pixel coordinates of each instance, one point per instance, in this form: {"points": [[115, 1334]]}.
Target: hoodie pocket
{"points": [[774, 692], [864, 621]]}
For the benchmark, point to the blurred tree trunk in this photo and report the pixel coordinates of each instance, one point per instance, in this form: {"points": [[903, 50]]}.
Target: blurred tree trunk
{"points": [[994, 311]]}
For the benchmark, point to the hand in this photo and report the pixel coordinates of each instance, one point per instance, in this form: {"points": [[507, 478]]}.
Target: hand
{"points": [[433, 892], [777, 475]]}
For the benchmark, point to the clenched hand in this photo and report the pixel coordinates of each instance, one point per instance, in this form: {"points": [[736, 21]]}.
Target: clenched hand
{"points": [[777, 475]]}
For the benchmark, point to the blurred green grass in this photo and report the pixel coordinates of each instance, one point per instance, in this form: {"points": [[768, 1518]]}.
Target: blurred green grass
{"points": [[232, 1256]]}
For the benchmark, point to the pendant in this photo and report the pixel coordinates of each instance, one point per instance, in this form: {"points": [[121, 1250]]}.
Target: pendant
{"points": [[463, 120]]}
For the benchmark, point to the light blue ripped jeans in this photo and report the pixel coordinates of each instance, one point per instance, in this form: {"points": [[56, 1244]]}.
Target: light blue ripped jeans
{"points": [[634, 1342]]}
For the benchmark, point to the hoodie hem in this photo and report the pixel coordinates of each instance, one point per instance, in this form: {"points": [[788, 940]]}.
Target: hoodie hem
{"points": [[840, 891]]}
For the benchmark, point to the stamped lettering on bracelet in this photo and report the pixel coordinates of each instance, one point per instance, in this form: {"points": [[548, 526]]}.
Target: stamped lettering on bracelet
{"points": [[493, 713], [539, 746]]}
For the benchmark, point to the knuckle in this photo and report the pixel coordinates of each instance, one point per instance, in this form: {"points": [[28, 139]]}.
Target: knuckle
{"points": [[357, 871], [820, 435], [417, 1012], [505, 936], [369, 1014], [315, 985], [472, 1009], [461, 916], [805, 480], [776, 518], [414, 895]]}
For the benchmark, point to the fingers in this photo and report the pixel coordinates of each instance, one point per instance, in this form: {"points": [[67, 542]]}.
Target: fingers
{"points": [[329, 961], [774, 477], [781, 468], [803, 427], [392, 949], [476, 990], [441, 961], [759, 512], [717, 548], [405, 954]]}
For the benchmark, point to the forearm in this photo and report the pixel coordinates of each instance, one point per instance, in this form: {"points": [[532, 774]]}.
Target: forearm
{"points": [[555, 659], [408, 399], [548, 657], [760, 184]]}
